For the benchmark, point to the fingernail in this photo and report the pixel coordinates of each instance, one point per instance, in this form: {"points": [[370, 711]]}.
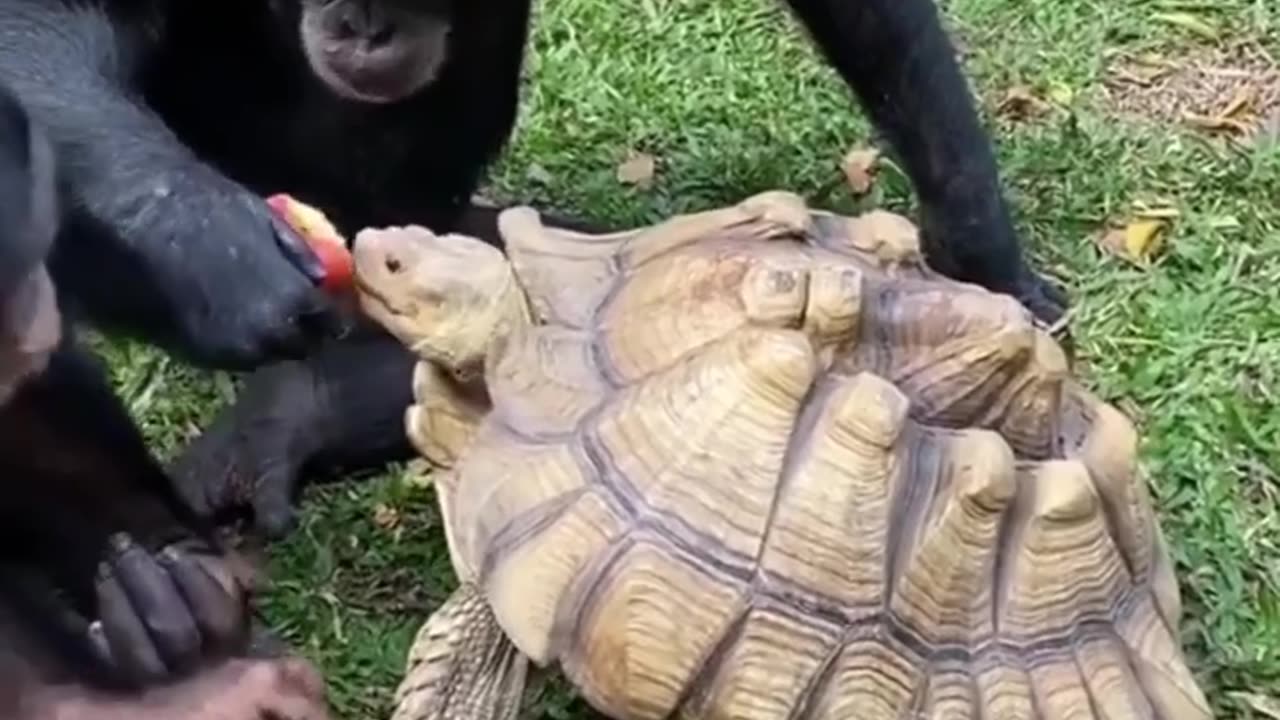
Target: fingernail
{"points": [[121, 541]]}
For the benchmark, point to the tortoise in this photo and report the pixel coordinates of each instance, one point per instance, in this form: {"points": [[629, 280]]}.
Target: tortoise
{"points": [[763, 462]]}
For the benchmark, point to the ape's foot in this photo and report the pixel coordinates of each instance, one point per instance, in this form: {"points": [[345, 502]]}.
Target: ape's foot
{"points": [[251, 457], [1046, 300], [341, 409]]}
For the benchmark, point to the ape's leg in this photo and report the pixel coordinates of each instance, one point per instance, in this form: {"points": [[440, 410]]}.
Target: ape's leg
{"points": [[899, 61], [341, 409]]}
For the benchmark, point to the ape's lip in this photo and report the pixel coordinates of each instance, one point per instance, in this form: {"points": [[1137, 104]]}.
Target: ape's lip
{"points": [[370, 86]]}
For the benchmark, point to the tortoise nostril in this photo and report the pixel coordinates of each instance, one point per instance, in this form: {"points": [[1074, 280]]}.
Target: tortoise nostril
{"points": [[393, 265]]}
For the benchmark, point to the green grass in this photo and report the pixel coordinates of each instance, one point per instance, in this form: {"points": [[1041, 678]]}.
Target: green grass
{"points": [[731, 100]]}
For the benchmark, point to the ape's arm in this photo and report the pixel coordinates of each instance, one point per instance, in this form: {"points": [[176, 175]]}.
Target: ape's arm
{"points": [[902, 66], [158, 243], [77, 487]]}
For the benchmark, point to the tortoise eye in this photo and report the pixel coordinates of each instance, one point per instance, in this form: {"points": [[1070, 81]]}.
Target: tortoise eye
{"points": [[393, 265]]}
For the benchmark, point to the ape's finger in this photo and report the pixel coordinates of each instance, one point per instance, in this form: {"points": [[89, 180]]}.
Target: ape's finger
{"points": [[125, 644], [99, 646], [158, 603], [219, 614], [297, 250]]}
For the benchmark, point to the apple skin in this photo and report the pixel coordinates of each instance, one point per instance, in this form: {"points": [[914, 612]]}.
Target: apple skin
{"points": [[321, 236]]}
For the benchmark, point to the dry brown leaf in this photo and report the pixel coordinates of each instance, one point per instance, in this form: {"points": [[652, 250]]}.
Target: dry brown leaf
{"points": [[385, 516], [638, 170], [1225, 89], [1021, 102], [1244, 101], [1139, 241], [1236, 116], [1145, 70], [1217, 123], [860, 169]]}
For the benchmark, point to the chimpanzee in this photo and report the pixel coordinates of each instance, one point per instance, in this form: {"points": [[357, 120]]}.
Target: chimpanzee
{"points": [[170, 119], [91, 528]]}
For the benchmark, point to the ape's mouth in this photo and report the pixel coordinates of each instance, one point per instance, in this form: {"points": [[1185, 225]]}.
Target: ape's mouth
{"points": [[366, 84], [377, 69]]}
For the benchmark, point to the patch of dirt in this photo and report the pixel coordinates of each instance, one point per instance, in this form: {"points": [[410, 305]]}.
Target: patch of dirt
{"points": [[1230, 89]]}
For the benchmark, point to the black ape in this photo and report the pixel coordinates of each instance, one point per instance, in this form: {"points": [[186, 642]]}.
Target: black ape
{"points": [[80, 499], [379, 112]]}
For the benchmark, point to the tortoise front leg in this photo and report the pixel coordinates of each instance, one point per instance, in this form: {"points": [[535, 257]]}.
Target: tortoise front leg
{"points": [[445, 415], [462, 666]]}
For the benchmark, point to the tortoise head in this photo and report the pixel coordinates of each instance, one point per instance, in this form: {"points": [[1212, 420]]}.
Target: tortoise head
{"points": [[446, 297]]}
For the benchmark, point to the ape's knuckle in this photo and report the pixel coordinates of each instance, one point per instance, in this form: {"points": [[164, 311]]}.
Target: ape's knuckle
{"points": [[174, 625]]}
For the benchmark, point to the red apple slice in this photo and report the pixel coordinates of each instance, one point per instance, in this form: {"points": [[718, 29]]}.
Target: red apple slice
{"points": [[321, 236]]}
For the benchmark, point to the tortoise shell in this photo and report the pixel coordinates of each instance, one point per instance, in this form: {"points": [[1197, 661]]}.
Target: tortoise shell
{"points": [[762, 462]]}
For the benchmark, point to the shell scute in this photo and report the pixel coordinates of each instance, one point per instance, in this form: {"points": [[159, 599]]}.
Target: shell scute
{"points": [[700, 446]]}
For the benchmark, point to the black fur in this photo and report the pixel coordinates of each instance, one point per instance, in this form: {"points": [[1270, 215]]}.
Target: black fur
{"points": [[138, 90], [80, 494]]}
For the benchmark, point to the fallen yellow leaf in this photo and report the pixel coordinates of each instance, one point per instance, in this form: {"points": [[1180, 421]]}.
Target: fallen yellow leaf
{"points": [[1139, 241], [1061, 94], [859, 169], [638, 170]]}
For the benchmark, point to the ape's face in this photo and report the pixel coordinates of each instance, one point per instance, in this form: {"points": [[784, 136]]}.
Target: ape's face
{"points": [[376, 51]]}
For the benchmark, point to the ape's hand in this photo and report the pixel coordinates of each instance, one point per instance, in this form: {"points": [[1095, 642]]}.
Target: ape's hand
{"points": [[164, 615], [196, 263], [242, 285]]}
